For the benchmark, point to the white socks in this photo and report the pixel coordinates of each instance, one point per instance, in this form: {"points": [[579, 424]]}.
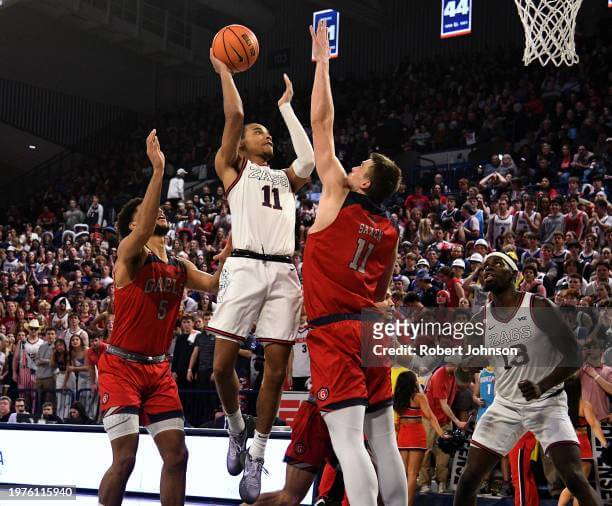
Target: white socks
{"points": [[258, 448], [235, 422], [346, 431], [391, 474]]}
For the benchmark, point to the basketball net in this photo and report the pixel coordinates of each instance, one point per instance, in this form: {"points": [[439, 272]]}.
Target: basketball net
{"points": [[549, 30]]}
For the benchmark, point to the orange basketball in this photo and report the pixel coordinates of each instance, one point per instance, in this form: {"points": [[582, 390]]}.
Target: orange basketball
{"points": [[236, 46]]}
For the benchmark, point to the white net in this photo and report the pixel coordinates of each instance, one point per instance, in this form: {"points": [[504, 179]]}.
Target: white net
{"points": [[549, 30]]}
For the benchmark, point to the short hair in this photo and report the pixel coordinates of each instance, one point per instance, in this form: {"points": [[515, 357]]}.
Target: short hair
{"points": [[5, 398], [126, 215], [20, 399], [602, 262], [557, 200], [47, 405], [446, 271], [531, 267], [187, 317], [411, 297], [384, 177]]}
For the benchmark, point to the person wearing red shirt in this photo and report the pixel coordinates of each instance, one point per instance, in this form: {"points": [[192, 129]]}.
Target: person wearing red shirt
{"points": [[97, 347], [440, 393], [417, 199], [453, 285]]}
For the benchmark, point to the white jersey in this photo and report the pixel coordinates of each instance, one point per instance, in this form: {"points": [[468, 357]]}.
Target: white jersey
{"points": [[262, 205], [500, 227], [536, 357], [521, 222], [301, 359]]}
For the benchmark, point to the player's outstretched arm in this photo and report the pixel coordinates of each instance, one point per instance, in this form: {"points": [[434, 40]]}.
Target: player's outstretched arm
{"points": [[227, 158], [132, 245], [202, 281], [300, 170], [329, 168], [549, 320]]}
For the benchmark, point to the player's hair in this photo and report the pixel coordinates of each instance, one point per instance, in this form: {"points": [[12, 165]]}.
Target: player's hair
{"points": [[384, 177], [407, 385], [126, 215]]}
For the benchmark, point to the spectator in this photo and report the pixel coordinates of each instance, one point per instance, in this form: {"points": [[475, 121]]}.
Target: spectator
{"points": [[602, 277], [176, 188], [77, 373], [553, 222], [440, 393], [47, 415], [24, 360], [45, 373], [78, 415], [94, 352], [452, 284], [95, 213], [21, 415], [5, 408], [74, 329], [73, 215]]}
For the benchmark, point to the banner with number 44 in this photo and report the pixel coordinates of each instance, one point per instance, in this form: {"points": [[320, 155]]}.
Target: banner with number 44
{"points": [[456, 18]]}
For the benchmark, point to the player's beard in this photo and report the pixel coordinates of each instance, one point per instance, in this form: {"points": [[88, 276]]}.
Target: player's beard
{"points": [[161, 230]]}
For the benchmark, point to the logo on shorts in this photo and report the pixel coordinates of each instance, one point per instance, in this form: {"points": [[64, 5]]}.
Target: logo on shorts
{"points": [[300, 448], [323, 393], [105, 398]]}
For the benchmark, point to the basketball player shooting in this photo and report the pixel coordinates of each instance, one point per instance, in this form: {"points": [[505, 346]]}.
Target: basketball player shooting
{"points": [[348, 262], [259, 283], [529, 394], [134, 373]]}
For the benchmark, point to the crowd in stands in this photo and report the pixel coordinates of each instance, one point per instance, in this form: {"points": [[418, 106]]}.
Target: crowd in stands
{"points": [[544, 199]]}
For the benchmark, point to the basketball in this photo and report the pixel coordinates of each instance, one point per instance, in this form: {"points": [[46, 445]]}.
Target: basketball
{"points": [[236, 46]]}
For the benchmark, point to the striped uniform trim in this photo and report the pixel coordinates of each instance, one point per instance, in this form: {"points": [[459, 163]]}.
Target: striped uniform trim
{"points": [[485, 448], [224, 334], [229, 189], [560, 443], [277, 341]]}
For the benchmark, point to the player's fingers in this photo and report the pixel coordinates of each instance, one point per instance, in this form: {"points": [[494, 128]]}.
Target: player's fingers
{"points": [[312, 33], [151, 135]]}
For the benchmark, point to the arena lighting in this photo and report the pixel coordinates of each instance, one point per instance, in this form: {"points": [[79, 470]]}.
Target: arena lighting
{"points": [[31, 146]]}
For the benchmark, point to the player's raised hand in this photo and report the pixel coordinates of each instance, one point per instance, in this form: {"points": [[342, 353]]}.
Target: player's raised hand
{"points": [[320, 41], [288, 95], [530, 390], [154, 152], [218, 65]]}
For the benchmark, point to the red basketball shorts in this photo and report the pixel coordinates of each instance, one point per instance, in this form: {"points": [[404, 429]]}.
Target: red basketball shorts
{"points": [[146, 389], [310, 446], [338, 378]]}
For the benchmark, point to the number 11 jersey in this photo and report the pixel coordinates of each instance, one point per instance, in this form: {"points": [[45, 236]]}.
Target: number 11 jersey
{"points": [[344, 262], [262, 204]]}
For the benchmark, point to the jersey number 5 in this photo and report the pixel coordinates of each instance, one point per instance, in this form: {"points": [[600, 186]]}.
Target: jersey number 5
{"points": [[362, 253], [162, 309]]}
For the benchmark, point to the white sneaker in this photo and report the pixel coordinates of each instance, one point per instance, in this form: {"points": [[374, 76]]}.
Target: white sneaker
{"points": [[425, 489], [442, 488]]}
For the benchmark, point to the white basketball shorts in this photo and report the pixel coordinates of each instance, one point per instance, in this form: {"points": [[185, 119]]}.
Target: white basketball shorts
{"points": [[268, 294], [504, 423]]}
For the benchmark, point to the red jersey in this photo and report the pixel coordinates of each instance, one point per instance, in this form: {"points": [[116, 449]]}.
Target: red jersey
{"points": [[146, 310], [344, 262], [93, 357], [574, 223]]}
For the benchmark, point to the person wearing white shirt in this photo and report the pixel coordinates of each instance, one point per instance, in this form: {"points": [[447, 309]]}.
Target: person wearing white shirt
{"points": [[176, 188]]}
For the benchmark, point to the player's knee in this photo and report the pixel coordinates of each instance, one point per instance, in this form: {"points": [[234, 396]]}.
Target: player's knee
{"points": [[124, 464], [177, 459], [274, 377], [222, 368]]}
